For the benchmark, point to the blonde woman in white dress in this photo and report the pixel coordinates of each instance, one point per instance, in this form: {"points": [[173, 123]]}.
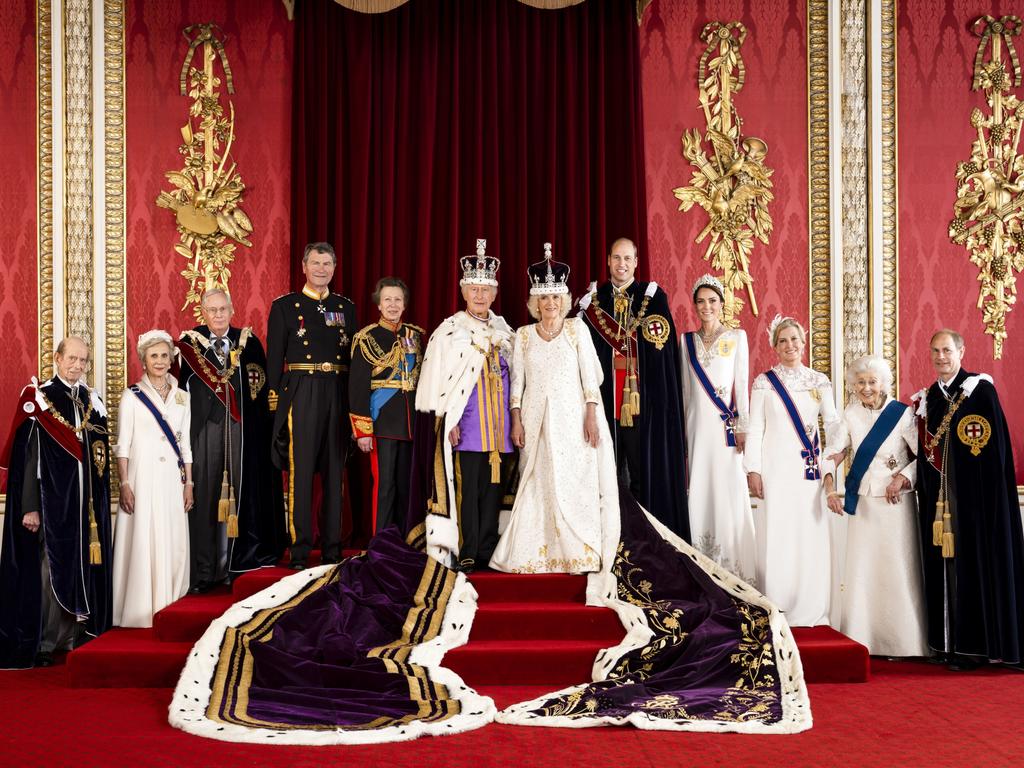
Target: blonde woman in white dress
{"points": [[565, 446], [782, 460], [882, 597], [716, 405], [151, 552]]}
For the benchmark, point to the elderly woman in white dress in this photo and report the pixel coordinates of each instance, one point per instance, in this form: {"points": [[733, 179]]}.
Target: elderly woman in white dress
{"points": [[883, 605], [782, 460], [154, 459], [565, 446], [716, 405]]}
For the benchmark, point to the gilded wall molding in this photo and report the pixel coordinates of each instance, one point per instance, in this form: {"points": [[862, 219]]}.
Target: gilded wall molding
{"points": [[44, 187], [856, 248], [890, 227], [114, 204], [78, 158], [819, 204]]}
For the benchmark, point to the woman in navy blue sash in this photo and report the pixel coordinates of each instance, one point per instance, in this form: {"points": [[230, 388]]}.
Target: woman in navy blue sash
{"points": [[782, 460], [715, 374], [154, 460], [883, 606]]}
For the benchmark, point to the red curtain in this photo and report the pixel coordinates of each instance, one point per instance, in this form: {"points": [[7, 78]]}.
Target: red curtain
{"points": [[418, 130]]}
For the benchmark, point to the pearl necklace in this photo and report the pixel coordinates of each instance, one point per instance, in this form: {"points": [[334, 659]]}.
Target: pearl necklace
{"points": [[549, 334]]}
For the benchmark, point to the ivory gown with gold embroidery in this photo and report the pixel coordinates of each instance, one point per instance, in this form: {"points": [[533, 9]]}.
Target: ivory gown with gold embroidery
{"points": [[555, 526]]}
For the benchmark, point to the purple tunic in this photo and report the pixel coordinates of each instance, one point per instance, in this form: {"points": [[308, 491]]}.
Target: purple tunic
{"points": [[486, 424]]}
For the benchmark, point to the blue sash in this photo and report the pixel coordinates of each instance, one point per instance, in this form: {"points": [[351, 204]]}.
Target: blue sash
{"points": [[811, 449], [379, 397], [164, 426], [869, 446], [726, 412]]}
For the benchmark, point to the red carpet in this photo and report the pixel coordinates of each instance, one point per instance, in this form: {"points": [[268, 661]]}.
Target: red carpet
{"points": [[909, 714], [529, 630]]}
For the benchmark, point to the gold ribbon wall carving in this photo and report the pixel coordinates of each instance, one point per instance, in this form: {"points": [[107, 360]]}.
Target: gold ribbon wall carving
{"points": [[733, 185], [208, 190], [988, 215]]}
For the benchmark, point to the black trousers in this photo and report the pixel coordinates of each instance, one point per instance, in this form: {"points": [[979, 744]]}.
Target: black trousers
{"points": [[629, 461], [392, 465], [316, 445], [478, 502], [207, 538]]}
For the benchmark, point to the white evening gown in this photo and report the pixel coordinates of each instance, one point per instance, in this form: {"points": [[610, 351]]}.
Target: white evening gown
{"points": [[151, 552], [883, 599], [795, 571], [721, 522], [556, 521]]}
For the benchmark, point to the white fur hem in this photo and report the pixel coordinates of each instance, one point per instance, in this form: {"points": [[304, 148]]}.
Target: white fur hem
{"points": [[192, 695]]}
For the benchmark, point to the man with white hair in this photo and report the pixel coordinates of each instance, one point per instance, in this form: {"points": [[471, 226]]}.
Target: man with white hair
{"points": [[237, 524], [55, 569], [972, 544], [464, 382]]}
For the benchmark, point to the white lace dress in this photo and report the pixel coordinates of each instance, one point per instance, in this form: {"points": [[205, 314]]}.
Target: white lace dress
{"points": [[883, 600], [721, 523], [795, 569], [556, 521]]}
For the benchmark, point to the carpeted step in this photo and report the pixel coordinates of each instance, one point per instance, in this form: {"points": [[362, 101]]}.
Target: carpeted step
{"points": [[255, 581], [557, 663], [545, 621], [530, 587], [127, 658], [185, 620], [829, 656]]}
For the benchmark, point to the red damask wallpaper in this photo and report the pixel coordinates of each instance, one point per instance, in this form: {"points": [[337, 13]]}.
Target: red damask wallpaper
{"points": [[938, 284], [259, 48], [773, 105], [18, 285]]}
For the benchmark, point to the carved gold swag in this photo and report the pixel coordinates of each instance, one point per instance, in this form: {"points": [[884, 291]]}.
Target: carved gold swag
{"points": [[988, 215], [208, 190], [733, 185]]}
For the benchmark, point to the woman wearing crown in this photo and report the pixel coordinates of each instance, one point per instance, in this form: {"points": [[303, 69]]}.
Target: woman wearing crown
{"points": [[782, 460], [715, 402], [565, 446]]}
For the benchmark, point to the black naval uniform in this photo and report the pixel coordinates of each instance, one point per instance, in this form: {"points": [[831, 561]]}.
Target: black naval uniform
{"points": [[308, 357], [219, 547], [382, 400]]}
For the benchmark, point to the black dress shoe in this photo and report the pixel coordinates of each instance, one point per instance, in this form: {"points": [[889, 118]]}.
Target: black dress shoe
{"points": [[200, 588], [44, 659], [962, 664], [297, 565]]}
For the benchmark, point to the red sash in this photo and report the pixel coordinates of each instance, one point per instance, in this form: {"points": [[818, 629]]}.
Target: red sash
{"points": [[28, 408], [618, 371], [192, 357]]}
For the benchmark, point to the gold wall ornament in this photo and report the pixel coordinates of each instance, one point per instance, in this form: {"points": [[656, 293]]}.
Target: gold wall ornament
{"points": [[988, 215], [733, 185], [208, 190]]}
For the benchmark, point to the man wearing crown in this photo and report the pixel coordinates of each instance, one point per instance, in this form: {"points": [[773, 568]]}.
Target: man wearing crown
{"points": [[55, 568], [465, 383], [237, 524], [308, 351], [632, 328], [971, 539]]}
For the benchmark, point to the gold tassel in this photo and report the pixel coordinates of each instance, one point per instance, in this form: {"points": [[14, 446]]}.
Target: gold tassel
{"points": [[495, 462], [626, 415], [947, 533], [947, 545], [630, 402], [223, 505], [940, 511], [95, 553], [232, 516], [634, 400]]}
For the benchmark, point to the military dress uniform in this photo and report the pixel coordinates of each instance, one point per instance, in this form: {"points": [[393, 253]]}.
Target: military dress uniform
{"points": [[308, 340], [382, 399]]}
